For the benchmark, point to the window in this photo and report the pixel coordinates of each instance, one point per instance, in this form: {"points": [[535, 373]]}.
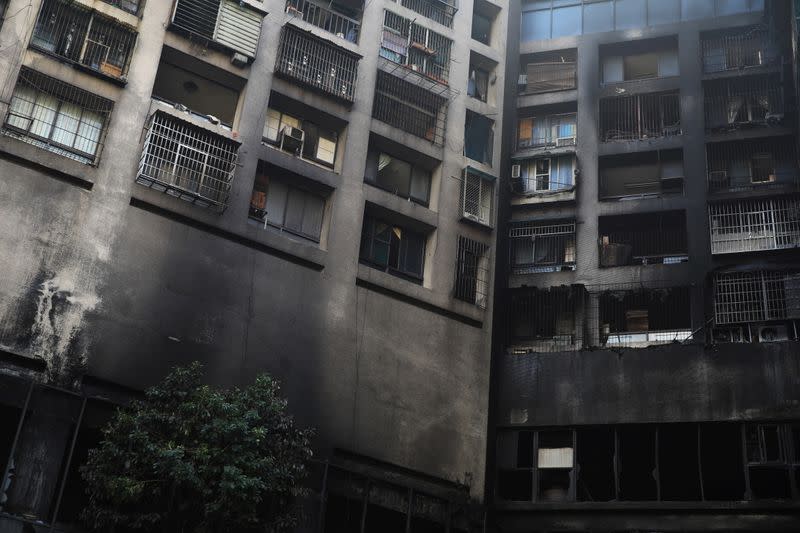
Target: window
{"points": [[546, 72], [317, 63], [420, 49], [58, 117], [754, 225], [472, 272], [745, 100], [337, 18], [398, 176], [481, 28], [229, 23], [440, 11], [757, 163], [539, 247], [635, 317], [535, 25], [757, 296], [640, 116], [392, 248], [598, 17], [131, 6], [301, 137], [566, 21], [83, 36], [478, 138], [288, 208], [478, 84], [643, 239], [641, 174], [630, 14], [548, 174], [477, 197], [188, 162], [409, 107], [549, 130]]}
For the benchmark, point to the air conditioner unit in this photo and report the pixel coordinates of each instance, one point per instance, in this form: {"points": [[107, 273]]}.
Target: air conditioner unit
{"points": [[772, 333], [293, 133], [292, 139], [239, 60], [516, 171], [732, 334], [565, 141]]}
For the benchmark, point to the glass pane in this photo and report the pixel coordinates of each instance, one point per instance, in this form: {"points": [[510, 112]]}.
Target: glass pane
{"points": [[89, 132], [730, 7], [294, 210], [567, 21], [663, 11], [44, 114], [630, 14], [394, 175], [414, 249], [563, 173], [21, 108], [694, 9], [312, 217], [69, 117], [326, 150], [535, 25], [598, 17], [272, 125], [380, 243], [276, 202], [420, 184]]}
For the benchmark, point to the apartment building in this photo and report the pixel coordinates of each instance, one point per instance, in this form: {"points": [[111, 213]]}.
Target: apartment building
{"points": [[648, 297], [299, 187]]}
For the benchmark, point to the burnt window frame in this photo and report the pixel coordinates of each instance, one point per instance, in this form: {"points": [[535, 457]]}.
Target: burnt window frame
{"points": [[372, 177]]}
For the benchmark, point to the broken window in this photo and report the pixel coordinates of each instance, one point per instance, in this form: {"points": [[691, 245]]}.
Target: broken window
{"points": [[738, 48], [641, 174], [549, 71], [477, 196], [543, 320], [301, 137], [277, 201], [556, 130], [768, 464], [541, 247], [393, 248], [640, 318], [751, 164], [317, 63], [472, 272], [409, 107], [678, 463], [231, 24], [646, 239], [637, 462], [721, 460], [442, 11], [754, 225], [398, 176], [339, 18], [596, 452], [58, 117], [732, 103], [641, 116], [418, 48], [478, 138], [555, 459], [72, 32], [188, 162], [204, 89]]}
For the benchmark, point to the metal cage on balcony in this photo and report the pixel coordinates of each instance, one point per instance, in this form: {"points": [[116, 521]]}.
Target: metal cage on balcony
{"points": [[754, 225]]}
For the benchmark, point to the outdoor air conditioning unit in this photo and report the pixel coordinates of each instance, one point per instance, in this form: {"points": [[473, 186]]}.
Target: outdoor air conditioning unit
{"points": [[731, 334], [292, 139], [772, 333], [565, 141], [516, 172]]}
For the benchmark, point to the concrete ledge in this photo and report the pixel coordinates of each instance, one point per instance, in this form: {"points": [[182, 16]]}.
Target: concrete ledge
{"points": [[129, 19], [297, 165], [412, 141], [643, 145], [407, 208], [671, 83], [540, 99], [641, 205], [49, 163], [541, 279]]}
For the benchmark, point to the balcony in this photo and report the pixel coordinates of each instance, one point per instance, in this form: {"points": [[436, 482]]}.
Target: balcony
{"points": [[549, 72], [407, 106], [188, 162], [543, 320], [331, 17], [743, 103], [752, 298], [538, 248], [754, 225], [640, 117], [647, 239], [437, 10], [228, 24], [83, 37], [477, 197], [317, 63], [550, 177], [738, 49], [641, 175], [754, 166], [416, 47], [549, 133]]}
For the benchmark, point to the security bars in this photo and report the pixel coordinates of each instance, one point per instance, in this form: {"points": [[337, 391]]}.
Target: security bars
{"points": [[744, 297], [58, 117], [477, 198], [317, 63], [131, 6], [325, 16], [187, 162], [406, 106], [738, 48], [543, 320], [77, 34], [416, 47], [537, 247], [228, 23], [472, 272], [754, 225], [752, 164], [636, 317], [744, 101], [643, 239], [641, 116], [436, 10]]}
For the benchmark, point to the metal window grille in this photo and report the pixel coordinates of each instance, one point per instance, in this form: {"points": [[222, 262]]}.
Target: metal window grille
{"points": [[550, 76], [477, 198], [544, 320], [641, 174], [410, 108], [229, 23], [57, 116], [745, 101], [436, 10], [197, 16], [417, 47], [654, 238], [556, 130], [741, 297], [472, 272], [317, 63], [754, 225], [131, 6], [187, 162], [537, 247], [325, 16], [738, 49], [641, 116], [77, 34], [744, 165]]}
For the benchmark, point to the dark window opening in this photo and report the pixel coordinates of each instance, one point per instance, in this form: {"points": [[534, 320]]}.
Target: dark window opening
{"points": [[542, 247], [548, 71], [478, 84], [398, 176], [637, 463], [642, 174], [344, 507], [643, 116], [653, 238], [746, 101], [554, 465], [721, 459], [525, 449], [770, 483], [644, 317], [543, 318], [738, 48], [387, 509], [478, 138], [515, 485], [483, 15], [595, 459], [751, 164], [409, 107], [639, 60], [472, 272], [393, 248], [678, 467]]}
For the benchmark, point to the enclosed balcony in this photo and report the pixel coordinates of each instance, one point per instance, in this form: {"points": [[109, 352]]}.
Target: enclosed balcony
{"points": [[342, 19], [229, 24], [548, 71], [441, 11], [403, 104], [538, 247], [738, 49], [549, 132], [643, 239], [544, 320], [754, 225], [752, 165], [641, 174], [415, 47], [743, 102], [640, 117]]}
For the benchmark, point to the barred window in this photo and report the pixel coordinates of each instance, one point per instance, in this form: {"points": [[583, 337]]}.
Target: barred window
{"points": [[417, 47], [754, 225], [187, 162], [439, 10], [477, 197], [229, 23], [741, 297], [538, 247], [77, 34], [404, 105], [472, 272], [57, 116]]}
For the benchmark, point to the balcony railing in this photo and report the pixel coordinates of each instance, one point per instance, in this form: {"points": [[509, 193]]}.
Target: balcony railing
{"points": [[436, 10], [187, 162], [410, 108], [549, 76], [418, 48], [326, 17], [746, 48], [551, 131], [317, 63], [752, 165], [639, 117], [74, 33], [643, 317], [747, 297], [657, 238], [754, 225], [744, 102], [537, 248]]}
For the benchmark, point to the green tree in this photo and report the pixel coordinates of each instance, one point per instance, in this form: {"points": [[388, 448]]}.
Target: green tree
{"points": [[189, 458]]}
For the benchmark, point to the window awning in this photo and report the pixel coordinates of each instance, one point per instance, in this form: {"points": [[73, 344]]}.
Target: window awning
{"points": [[482, 174]]}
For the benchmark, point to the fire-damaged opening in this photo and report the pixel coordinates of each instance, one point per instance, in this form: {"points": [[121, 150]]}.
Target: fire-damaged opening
{"points": [[721, 460], [345, 502], [678, 466], [595, 459], [643, 239], [644, 317], [387, 508], [515, 450], [768, 461], [515, 485], [548, 71], [751, 164], [640, 116], [743, 102], [543, 319], [641, 174], [554, 462], [637, 463]]}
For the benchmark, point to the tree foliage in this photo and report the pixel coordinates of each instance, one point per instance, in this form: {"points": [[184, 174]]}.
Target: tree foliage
{"points": [[191, 458]]}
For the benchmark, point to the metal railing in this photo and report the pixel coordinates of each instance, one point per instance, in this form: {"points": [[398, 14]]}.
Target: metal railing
{"points": [[410, 108], [477, 198], [744, 48], [653, 238], [317, 63], [82, 36], [547, 131], [641, 116], [744, 102], [420, 49], [744, 297], [436, 10], [550, 76], [544, 320], [752, 164], [187, 162], [471, 282], [537, 248], [326, 17], [754, 225]]}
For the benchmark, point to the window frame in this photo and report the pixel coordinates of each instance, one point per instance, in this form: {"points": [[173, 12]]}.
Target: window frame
{"points": [[282, 227], [369, 236], [373, 178], [307, 126], [485, 190]]}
